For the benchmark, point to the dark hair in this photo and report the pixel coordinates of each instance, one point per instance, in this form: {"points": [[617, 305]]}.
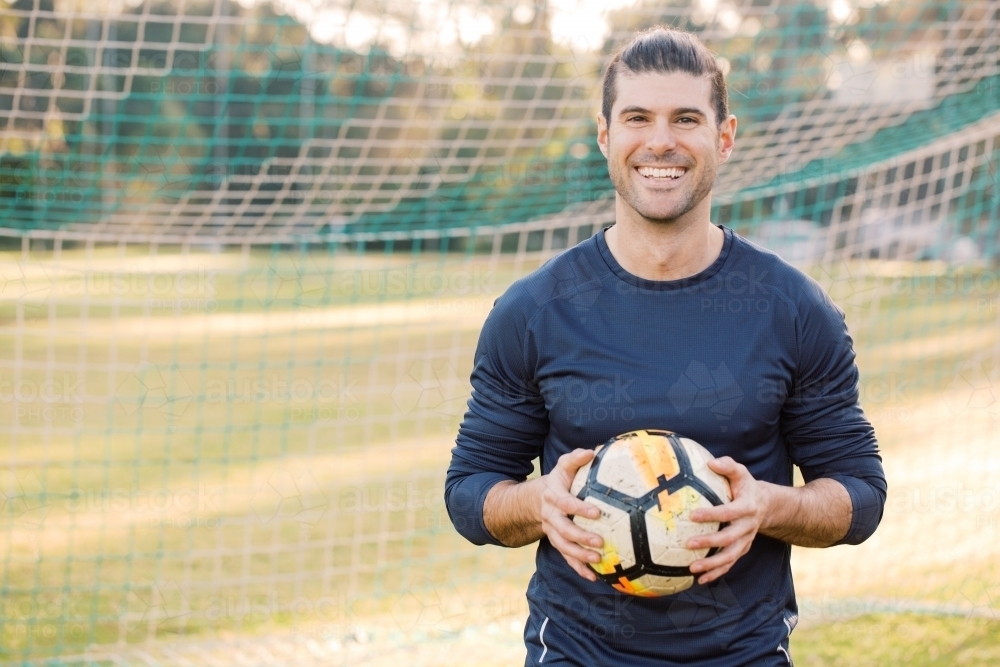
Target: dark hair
{"points": [[667, 50]]}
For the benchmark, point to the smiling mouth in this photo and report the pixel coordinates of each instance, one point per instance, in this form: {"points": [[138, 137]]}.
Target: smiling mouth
{"points": [[662, 173]]}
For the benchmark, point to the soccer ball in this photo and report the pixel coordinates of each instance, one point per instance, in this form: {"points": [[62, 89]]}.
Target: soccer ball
{"points": [[646, 483]]}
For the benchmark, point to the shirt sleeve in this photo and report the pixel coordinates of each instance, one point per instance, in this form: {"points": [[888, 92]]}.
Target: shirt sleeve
{"points": [[824, 426], [506, 423]]}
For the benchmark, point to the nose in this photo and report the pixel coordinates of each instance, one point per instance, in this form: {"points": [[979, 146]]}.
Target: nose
{"points": [[661, 138]]}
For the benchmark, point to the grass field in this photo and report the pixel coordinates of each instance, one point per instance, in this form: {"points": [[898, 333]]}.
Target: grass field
{"points": [[216, 446]]}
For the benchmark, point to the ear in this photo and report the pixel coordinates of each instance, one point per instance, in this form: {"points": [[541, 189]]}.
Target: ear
{"points": [[727, 138], [602, 134]]}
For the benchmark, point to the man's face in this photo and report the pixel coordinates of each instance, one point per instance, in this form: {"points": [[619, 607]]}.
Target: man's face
{"points": [[663, 144]]}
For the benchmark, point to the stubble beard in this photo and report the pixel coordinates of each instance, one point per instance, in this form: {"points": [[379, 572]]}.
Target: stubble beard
{"points": [[682, 201]]}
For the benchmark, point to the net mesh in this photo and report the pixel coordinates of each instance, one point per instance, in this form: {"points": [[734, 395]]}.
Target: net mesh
{"points": [[247, 249]]}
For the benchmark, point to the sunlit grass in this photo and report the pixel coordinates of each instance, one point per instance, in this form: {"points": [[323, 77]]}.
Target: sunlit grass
{"points": [[906, 640]]}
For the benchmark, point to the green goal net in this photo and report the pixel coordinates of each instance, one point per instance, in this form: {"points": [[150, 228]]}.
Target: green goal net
{"points": [[246, 249]]}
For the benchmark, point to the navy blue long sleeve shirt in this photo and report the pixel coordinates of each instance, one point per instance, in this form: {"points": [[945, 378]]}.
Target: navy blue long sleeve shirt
{"points": [[749, 357]]}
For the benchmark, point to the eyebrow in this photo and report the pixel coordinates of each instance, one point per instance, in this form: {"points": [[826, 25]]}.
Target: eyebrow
{"points": [[679, 112]]}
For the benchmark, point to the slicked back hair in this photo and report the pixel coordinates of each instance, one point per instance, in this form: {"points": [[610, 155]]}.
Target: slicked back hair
{"points": [[666, 50]]}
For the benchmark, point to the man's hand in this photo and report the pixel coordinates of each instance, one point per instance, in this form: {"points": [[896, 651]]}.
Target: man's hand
{"points": [[745, 514], [519, 514], [557, 503], [815, 515]]}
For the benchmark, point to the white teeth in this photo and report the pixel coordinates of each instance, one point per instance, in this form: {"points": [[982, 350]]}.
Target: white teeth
{"points": [[654, 172]]}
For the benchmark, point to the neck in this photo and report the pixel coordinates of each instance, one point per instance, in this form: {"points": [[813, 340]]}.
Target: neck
{"points": [[664, 250]]}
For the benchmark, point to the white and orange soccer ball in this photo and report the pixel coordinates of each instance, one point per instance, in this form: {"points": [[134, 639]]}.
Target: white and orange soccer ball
{"points": [[646, 483]]}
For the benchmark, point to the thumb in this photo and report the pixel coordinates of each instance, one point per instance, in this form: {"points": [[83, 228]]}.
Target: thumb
{"points": [[724, 465], [580, 457], [572, 461]]}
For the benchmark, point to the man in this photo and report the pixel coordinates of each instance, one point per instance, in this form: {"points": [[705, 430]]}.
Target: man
{"points": [[666, 321]]}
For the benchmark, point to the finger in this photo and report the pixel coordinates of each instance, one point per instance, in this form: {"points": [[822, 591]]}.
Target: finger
{"points": [[568, 504], [724, 558], [580, 568], [555, 505], [712, 575], [725, 513], [569, 531], [572, 461], [722, 538], [727, 467], [721, 463], [572, 550]]}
